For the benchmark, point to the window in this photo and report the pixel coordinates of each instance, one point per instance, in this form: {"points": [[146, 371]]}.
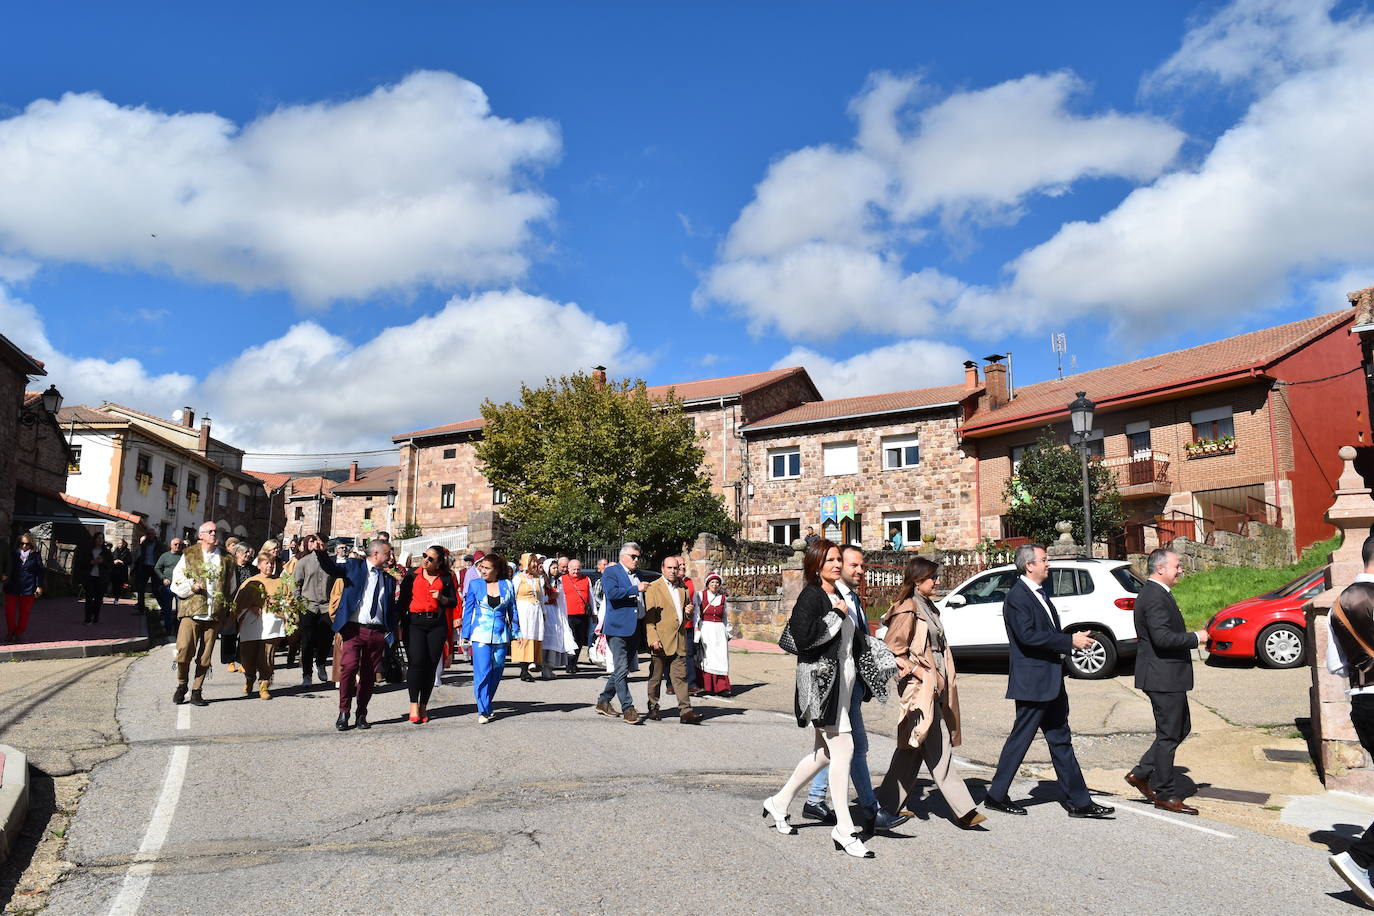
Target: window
{"points": [[840, 458], [74, 463], [450, 453], [169, 475], [908, 525], [1129, 580], [784, 463], [297, 514], [499, 497], [222, 498], [1213, 424], [448, 494], [367, 515], [192, 484], [1065, 583], [145, 466], [831, 532], [243, 503], [990, 589], [784, 531], [1138, 439], [1017, 453], [901, 452], [1095, 444]]}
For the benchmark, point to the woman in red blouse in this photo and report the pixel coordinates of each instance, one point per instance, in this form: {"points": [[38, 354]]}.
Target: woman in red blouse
{"points": [[427, 597]]}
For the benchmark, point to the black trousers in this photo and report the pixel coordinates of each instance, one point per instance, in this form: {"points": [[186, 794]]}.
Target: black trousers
{"points": [[1362, 717], [1051, 717], [317, 641], [228, 648], [424, 648], [1172, 724], [95, 596], [581, 626], [143, 576]]}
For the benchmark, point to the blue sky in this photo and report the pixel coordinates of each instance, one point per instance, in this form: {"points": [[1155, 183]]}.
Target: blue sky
{"points": [[326, 223]]}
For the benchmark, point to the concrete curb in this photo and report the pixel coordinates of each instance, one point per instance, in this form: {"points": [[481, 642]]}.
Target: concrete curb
{"points": [[76, 650], [14, 798]]}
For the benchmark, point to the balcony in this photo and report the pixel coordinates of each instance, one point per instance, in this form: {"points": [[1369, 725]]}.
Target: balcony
{"points": [[1142, 475]]}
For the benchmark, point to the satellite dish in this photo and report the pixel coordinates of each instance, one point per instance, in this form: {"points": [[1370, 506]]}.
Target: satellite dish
{"points": [[177, 415]]}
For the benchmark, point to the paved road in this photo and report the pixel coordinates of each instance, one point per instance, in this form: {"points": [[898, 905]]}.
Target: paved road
{"points": [[260, 806]]}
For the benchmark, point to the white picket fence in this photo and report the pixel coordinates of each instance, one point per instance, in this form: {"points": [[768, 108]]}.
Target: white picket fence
{"points": [[454, 539]]}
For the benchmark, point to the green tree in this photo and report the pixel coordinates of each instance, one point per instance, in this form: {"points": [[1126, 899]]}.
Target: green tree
{"points": [[587, 464], [1048, 489]]}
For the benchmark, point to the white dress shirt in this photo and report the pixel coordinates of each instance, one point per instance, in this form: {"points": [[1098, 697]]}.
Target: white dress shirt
{"points": [[364, 615], [1335, 658], [677, 600]]}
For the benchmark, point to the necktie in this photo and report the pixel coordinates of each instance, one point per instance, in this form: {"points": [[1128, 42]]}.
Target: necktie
{"points": [[1054, 615], [853, 601], [376, 595]]}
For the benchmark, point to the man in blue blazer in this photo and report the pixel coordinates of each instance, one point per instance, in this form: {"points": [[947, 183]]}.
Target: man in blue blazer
{"points": [[1037, 645], [621, 588], [366, 622]]}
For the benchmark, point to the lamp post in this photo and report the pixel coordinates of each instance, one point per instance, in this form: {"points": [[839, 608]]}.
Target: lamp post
{"points": [[1081, 417], [51, 401]]}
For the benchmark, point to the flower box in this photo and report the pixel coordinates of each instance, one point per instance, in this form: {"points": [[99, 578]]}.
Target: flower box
{"points": [[1206, 448]]}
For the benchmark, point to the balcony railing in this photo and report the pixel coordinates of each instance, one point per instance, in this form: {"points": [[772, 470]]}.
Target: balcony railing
{"points": [[1147, 469]]}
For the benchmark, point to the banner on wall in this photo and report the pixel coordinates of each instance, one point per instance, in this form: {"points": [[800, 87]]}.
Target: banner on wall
{"points": [[829, 510], [845, 502]]}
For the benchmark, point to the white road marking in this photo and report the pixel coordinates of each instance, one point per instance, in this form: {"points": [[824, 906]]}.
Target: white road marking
{"points": [[183, 717], [783, 715], [141, 872], [1176, 823]]}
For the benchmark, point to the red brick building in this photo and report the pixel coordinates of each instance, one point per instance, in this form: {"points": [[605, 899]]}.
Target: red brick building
{"points": [[1202, 439]]}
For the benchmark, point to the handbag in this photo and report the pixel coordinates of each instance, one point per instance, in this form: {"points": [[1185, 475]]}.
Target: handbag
{"points": [[394, 664], [785, 642], [877, 666]]}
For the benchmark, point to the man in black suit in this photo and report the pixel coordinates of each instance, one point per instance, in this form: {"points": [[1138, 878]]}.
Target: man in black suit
{"points": [[1164, 670], [1037, 645]]}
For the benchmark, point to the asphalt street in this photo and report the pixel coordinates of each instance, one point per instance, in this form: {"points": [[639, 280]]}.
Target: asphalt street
{"points": [[253, 806]]}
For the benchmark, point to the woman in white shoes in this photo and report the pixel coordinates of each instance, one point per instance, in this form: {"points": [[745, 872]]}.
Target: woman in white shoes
{"points": [[828, 647]]}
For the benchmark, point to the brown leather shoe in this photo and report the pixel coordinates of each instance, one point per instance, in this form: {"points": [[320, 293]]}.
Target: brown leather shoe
{"points": [[1175, 805], [690, 717], [653, 714], [1141, 785], [630, 716], [606, 709]]}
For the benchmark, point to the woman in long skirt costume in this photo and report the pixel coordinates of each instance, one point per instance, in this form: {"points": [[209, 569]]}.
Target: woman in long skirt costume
{"points": [[713, 635], [558, 637], [528, 651]]}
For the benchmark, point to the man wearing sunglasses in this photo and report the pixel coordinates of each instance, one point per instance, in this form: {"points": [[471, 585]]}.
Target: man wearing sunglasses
{"points": [[622, 590]]}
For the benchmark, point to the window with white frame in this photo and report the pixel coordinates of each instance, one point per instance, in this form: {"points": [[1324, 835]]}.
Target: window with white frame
{"points": [[840, 458], [784, 463], [1138, 439], [499, 497], [448, 494], [74, 463], [901, 452], [784, 530], [1213, 423], [908, 525]]}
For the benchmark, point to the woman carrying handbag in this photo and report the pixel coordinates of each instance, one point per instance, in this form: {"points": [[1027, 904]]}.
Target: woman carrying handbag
{"points": [[929, 726]]}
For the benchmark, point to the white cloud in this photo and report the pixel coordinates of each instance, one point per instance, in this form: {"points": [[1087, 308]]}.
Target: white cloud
{"points": [[312, 391], [824, 238], [1283, 195], [900, 366], [415, 183]]}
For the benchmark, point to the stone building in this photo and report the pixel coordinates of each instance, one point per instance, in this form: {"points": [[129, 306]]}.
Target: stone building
{"points": [[273, 508], [1202, 439], [856, 468], [364, 504], [24, 426], [309, 507]]}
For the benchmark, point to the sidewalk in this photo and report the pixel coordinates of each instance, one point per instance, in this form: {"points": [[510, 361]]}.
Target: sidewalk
{"points": [[55, 631]]}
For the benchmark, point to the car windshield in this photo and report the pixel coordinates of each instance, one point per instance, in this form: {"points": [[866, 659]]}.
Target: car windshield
{"points": [[1128, 579], [1299, 584]]}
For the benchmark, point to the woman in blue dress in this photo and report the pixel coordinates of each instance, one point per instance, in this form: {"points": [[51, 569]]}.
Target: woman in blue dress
{"points": [[490, 623]]}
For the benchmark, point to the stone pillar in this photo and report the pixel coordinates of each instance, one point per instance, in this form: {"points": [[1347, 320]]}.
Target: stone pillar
{"points": [[1343, 763], [701, 556], [1064, 547], [793, 580]]}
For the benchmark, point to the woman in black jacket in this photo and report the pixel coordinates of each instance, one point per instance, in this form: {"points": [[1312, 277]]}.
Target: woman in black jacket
{"points": [[23, 584], [94, 567], [428, 594], [829, 647]]}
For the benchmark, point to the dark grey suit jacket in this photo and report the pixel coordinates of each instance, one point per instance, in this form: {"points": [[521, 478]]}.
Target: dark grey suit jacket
{"points": [[1163, 660]]}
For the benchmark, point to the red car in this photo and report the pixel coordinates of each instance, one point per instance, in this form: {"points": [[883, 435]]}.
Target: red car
{"points": [[1269, 628]]}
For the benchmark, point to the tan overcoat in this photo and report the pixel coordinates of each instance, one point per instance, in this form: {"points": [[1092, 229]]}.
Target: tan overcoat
{"points": [[908, 636], [660, 617]]}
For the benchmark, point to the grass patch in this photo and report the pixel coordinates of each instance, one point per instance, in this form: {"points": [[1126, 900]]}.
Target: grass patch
{"points": [[1200, 595]]}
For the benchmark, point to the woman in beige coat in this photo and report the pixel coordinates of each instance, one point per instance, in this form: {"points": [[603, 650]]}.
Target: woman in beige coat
{"points": [[929, 726]]}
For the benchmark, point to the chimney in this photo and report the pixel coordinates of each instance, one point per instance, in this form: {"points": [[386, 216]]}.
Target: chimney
{"points": [[188, 418], [599, 377], [203, 446], [353, 472], [995, 381], [970, 375]]}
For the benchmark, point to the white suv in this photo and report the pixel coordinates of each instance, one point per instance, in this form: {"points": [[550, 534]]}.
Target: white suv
{"points": [[1096, 596]]}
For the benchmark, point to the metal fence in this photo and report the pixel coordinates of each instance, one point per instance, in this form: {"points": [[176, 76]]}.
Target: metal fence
{"points": [[455, 540], [883, 580]]}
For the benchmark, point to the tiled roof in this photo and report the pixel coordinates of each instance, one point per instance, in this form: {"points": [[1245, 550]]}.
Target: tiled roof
{"points": [[90, 415], [375, 480], [1156, 374], [1363, 301], [892, 402], [32, 397], [273, 481], [311, 486], [97, 507], [19, 359], [702, 389]]}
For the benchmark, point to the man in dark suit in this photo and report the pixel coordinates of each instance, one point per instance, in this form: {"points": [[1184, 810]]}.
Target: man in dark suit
{"points": [[620, 622], [1037, 645], [1164, 670], [365, 621]]}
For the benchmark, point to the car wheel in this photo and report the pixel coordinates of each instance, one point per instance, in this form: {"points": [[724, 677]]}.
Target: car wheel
{"points": [[1096, 662], [1282, 645]]}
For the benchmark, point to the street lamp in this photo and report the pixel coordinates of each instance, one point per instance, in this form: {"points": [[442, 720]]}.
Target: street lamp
{"points": [[52, 403], [1081, 418]]}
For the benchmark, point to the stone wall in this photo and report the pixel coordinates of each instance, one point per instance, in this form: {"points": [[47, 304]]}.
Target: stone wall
{"points": [[316, 515], [758, 616], [351, 517], [41, 454], [1259, 546], [424, 473], [12, 384]]}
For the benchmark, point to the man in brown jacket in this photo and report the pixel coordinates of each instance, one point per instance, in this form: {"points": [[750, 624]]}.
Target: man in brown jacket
{"points": [[666, 613]]}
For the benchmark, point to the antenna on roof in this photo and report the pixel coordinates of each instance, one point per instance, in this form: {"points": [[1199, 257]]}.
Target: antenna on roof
{"points": [[1059, 344]]}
